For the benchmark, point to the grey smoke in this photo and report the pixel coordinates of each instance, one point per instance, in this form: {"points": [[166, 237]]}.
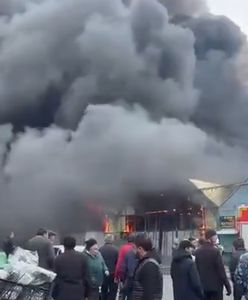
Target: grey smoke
{"points": [[185, 7], [108, 100]]}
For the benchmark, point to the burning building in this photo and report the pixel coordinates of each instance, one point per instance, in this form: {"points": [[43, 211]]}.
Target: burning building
{"points": [[116, 102]]}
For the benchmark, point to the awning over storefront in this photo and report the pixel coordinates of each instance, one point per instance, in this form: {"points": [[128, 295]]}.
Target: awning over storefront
{"points": [[217, 194]]}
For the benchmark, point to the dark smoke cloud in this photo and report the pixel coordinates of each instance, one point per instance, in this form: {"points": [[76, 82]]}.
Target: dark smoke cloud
{"points": [[108, 100]]}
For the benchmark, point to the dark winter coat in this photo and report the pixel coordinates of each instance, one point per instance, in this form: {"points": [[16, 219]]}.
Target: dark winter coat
{"points": [[148, 280], [71, 275], [44, 249], [185, 277], [110, 255], [211, 268], [128, 268]]}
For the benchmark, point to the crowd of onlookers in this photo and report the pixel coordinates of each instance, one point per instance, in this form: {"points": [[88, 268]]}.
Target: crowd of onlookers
{"points": [[133, 272], [130, 272], [198, 271]]}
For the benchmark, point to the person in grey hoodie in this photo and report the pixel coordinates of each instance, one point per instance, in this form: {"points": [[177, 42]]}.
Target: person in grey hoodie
{"points": [[44, 248]]}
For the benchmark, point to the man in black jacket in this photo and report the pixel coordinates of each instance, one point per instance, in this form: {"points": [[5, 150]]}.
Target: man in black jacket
{"points": [[148, 279], [184, 274], [238, 250], [110, 255], [211, 268]]}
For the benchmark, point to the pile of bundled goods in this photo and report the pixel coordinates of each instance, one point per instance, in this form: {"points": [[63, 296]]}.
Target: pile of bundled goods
{"points": [[22, 278]]}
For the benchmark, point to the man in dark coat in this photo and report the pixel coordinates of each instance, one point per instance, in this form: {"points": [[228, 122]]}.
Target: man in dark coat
{"points": [[70, 268], [148, 278], [44, 248], [211, 268], [238, 250], [110, 255], [184, 274]]}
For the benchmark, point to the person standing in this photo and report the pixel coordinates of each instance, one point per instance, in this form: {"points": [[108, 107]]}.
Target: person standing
{"points": [[184, 274], [8, 244], [128, 268], [211, 268], [70, 268], [238, 251], [52, 237], [148, 278], [110, 255], [241, 275], [44, 248], [96, 269], [122, 253]]}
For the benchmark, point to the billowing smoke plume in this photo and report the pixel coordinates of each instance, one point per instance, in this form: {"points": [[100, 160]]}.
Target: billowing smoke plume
{"points": [[105, 99]]}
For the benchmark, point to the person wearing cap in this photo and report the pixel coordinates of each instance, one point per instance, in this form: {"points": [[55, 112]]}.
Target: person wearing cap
{"points": [[110, 255], [184, 274], [96, 269], [211, 268]]}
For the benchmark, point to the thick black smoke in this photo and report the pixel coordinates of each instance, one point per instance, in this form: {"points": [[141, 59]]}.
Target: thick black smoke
{"points": [[107, 99]]}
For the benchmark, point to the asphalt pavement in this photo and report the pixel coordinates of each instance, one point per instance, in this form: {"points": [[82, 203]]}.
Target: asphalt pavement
{"points": [[168, 292]]}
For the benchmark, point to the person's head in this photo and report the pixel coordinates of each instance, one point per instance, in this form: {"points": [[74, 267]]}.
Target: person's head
{"points": [[42, 232], [143, 245], [92, 247], [194, 241], [187, 246], [69, 243], [239, 244], [109, 239], [211, 236], [52, 236], [131, 238]]}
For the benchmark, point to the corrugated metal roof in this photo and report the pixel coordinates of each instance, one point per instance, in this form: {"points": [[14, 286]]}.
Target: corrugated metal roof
{"points": [[214, 192]]}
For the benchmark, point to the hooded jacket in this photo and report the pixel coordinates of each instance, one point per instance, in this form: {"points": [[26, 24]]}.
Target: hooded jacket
{"points": [[185, 277]]}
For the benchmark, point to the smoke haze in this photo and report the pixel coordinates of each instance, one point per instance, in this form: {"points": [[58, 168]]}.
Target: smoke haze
{"points": [[104, 99]]}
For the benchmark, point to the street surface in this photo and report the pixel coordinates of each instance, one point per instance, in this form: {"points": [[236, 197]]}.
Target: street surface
{"points": [[168, 293]]}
